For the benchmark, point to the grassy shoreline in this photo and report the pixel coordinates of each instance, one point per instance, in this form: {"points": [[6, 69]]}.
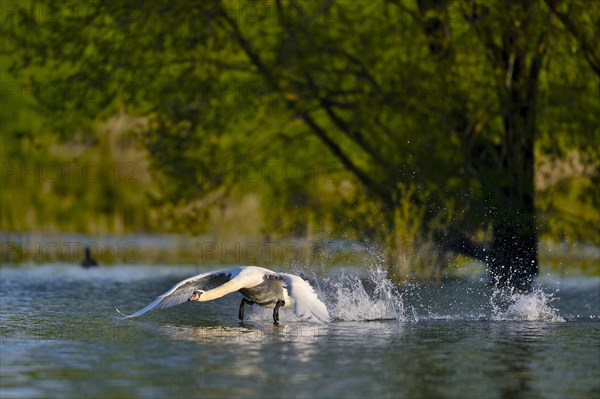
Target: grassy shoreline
{"points": [[176, 249]]}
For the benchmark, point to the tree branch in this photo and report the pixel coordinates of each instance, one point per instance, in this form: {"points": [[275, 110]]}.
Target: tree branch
{"points": [[456, 241], [589, 49], [306, 117], [337, 151]]}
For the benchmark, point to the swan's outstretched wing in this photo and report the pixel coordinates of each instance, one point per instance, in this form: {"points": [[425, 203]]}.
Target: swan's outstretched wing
{"points": [[183, 290], [306, 303]]}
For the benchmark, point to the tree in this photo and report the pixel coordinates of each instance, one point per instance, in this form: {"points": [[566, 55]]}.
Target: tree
{"points": [[431, 107]]}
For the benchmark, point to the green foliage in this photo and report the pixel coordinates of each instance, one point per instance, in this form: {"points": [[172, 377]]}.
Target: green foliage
{"points": [[95, 182], [386, 121]]}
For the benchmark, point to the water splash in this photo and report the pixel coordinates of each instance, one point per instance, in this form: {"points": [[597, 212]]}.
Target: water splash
{"points": [[533, 306], [350, 298]]}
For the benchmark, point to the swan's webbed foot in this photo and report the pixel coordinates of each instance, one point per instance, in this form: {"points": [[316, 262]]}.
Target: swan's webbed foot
{"points": [[244, 302], [278, 304]]}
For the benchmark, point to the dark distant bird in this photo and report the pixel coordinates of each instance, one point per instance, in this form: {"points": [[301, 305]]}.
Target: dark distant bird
{"points": [[257, 285], [88, 261]]}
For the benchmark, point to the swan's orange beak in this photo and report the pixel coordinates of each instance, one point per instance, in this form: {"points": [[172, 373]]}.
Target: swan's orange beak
{"points": [[195, 296]]}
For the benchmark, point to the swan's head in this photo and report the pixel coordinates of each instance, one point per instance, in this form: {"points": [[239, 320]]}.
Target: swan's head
{"points": [[196, 296]]}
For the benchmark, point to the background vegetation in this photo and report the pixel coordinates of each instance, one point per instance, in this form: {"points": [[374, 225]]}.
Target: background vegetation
{"points": [[447, 127]]}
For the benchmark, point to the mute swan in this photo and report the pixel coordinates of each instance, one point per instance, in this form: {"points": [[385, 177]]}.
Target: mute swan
{"points": [[258, 286]]}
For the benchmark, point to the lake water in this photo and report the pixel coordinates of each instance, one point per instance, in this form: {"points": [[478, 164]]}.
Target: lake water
{"points": [[457, 339]]}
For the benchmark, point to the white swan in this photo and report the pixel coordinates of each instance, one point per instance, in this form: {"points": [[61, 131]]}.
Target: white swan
{"points": [[258, 286]]}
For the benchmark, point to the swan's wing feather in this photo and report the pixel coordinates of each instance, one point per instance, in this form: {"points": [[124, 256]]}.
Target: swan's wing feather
{"points": [[183, 290], [306, 303]]}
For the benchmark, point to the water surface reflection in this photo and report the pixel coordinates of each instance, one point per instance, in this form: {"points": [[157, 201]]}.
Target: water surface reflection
{"points": [[59, 339]]}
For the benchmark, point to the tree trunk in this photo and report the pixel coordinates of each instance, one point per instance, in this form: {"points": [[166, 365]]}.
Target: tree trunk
{"points": [[513, 260]]}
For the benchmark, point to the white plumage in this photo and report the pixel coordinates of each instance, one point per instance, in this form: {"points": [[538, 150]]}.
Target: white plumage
{"points": [[258, 285]]}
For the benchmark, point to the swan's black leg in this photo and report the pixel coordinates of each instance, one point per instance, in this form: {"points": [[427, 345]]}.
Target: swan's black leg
{"points": [[278, 304], [244, 302]]}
